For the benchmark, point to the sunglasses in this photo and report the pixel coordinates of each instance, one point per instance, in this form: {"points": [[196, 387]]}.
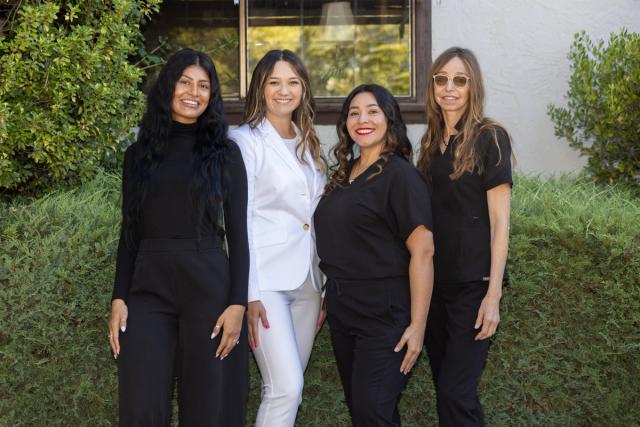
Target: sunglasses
{"points": [[443, 80]]}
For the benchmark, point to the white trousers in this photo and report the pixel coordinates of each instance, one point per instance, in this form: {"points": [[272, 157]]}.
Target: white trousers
{"points": [[284, 352]]}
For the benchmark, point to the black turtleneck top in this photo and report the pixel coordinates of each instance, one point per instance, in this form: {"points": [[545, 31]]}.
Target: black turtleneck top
{"points": [[168, 211]]}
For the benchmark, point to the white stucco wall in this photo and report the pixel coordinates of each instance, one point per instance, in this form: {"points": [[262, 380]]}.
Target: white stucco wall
{"points": [[522, 47]]}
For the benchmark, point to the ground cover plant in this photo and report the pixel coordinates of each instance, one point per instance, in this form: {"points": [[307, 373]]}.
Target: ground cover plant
{"points": [[567, 351]]}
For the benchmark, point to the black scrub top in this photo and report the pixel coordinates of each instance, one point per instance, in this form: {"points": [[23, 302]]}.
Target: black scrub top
{"points": [[461, 229], [361, 228]]}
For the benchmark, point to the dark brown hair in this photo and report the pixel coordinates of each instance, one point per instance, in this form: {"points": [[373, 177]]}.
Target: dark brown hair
{"points": [[396, 140]]}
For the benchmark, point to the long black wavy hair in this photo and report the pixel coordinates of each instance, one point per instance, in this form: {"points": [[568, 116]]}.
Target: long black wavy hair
{"points": [[210, 179], [396, 141]]}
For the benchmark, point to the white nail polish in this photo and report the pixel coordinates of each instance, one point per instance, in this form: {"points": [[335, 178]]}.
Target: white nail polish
{"points": [[123, 328]]}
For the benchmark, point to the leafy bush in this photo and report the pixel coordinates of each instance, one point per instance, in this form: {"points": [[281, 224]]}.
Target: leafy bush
{"points": [[567, 351], [602, 116], [68, 95]]}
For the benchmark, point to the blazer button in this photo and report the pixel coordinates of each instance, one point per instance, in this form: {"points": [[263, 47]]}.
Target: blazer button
{"points": [[306, 227]]}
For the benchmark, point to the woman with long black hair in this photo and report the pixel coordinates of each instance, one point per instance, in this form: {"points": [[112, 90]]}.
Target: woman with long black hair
{"points": [[178, 299]]}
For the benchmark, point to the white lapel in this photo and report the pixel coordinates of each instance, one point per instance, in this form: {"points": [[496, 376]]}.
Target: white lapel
{"points": [[274, 141], [318, 184]]}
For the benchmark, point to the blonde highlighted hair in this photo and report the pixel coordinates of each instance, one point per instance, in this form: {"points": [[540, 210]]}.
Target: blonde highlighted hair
{"points": [[473, 122], [303, 116]]}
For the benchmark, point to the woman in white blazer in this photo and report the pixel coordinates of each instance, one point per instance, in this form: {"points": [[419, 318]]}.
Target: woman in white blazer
{"points": [[286, 177]]}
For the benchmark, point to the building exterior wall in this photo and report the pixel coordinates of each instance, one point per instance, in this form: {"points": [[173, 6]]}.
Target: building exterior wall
{"points": [[522, 47]]}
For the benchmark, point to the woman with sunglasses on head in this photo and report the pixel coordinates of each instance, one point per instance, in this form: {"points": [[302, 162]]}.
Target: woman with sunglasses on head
{"points": [[375, 245], [286, 177], [179, 300], [467, 158]]}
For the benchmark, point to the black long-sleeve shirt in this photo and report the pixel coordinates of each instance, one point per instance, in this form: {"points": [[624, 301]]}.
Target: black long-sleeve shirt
{"points": [[168, 211]]}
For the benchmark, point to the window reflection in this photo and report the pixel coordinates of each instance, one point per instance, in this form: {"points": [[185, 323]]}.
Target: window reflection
{"points": [[211, 26], [343, 43]]}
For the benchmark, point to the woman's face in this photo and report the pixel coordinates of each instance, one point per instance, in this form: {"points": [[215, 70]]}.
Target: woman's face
{"points": [[366, 122], [450, 96], [191, 95], [282, 91]]}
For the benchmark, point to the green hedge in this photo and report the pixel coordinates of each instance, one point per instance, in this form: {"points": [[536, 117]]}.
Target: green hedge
{"points": [[66, 81], [601, 118], [567, 352]]}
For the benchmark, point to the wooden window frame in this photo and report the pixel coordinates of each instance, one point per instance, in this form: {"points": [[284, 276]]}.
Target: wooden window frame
{"points": [[328, 109]]}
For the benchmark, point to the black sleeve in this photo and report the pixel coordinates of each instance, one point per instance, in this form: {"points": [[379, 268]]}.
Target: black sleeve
{"points": [[235, 222], [409, 200], [496, 159], [127, 250]]}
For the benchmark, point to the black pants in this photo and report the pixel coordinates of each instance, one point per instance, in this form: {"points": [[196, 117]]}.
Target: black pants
{"points": [[367, 319], [179, 288], [456, 358]]}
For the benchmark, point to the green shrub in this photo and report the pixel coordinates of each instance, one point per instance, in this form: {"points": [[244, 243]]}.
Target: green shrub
{"points": [[567, 352], [602, 116], [68, 95]]}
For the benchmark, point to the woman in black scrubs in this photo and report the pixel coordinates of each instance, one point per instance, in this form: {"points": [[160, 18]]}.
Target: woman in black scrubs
{"points": [[178, 299], [375, 246], [467, 157]]}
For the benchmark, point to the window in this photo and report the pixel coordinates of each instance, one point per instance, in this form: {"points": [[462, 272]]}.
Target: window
{"points": [[343, 44]]}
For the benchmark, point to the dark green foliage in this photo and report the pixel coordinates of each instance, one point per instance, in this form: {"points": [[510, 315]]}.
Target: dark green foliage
{"points": [[66, 82], [567, 351], [602, 116]]}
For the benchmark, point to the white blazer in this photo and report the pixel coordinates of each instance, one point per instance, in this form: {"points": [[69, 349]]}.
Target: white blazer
{"points": [[282, 246]]}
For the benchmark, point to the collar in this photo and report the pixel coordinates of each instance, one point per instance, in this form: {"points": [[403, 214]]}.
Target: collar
{"points": [[266, 129], [460, 122]]}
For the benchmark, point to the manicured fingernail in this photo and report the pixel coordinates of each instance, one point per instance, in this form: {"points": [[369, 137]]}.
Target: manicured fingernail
{"points": [[396, 349], [476, 327], [123, 328], [213, 335], [217, 354], [267, 326], [222, 358]]}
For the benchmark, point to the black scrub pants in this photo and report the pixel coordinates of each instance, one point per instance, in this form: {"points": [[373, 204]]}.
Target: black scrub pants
{"points": [[179, 289], [456, 359], [367, 319]]}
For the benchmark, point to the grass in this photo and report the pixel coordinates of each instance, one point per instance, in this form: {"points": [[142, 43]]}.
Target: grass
{"points": [[567, 351]]}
